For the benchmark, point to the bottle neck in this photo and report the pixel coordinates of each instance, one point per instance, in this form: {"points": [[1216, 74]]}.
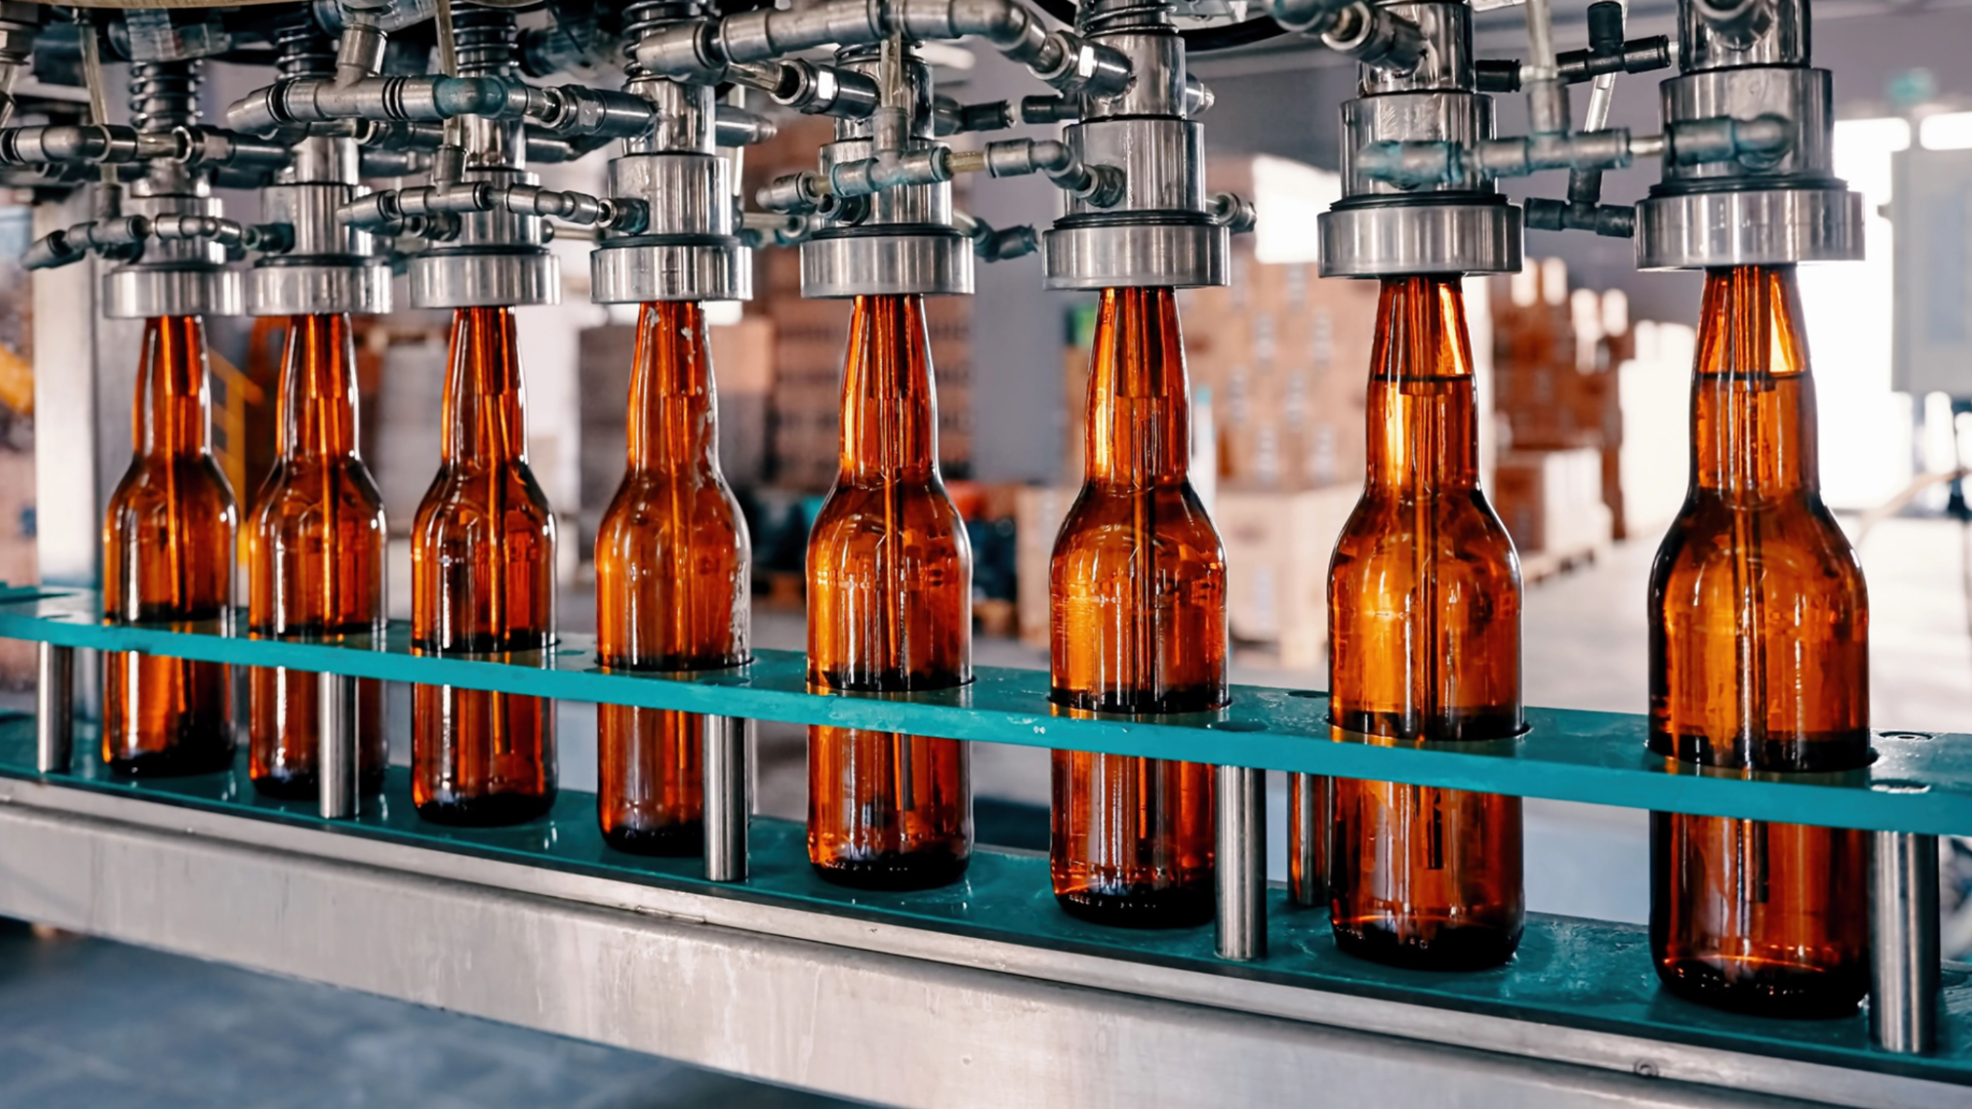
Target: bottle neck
{"points": [[673, 423], [1423, 429], [173, 414], [889, 410], [485, 421], [1753, 415], [318, 389], [1139, 427]]}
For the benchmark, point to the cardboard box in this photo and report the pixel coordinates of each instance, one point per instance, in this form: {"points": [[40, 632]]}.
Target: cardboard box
{"points": [[1278, 547], [1551, 501], [1037, 516]]}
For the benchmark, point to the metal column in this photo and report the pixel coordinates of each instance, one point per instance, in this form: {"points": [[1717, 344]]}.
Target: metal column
{"points": [[54, 708], [728, 797], [335, 756], [1241, 865], [1903, 941]]}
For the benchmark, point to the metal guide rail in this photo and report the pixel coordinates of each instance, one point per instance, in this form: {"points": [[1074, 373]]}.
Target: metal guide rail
{"points": [[1580, 995]]}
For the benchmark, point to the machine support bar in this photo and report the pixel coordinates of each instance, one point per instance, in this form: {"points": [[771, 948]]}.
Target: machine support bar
{"points": [[54, 708], [336, 768], [1306, 884], [1241, 868], [1903, 942], [728, 798]]}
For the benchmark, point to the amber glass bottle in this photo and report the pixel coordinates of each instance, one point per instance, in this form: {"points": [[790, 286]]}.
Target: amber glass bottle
{"points": [[672, 585], [482, 582], [1759, 661], [315, 561], [889, 611], [1424, 644], [168, 541], [1138, 581]]}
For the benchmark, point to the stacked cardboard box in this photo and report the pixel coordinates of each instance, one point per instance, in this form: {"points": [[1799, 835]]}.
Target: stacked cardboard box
{"points": [[1277, 554], [1557, 484], [1284, 355], [1551, 502], [17, 556]]}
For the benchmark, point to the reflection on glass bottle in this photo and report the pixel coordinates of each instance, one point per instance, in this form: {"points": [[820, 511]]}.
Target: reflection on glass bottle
{"points": [[1759, 661], [315, 560], [672, 585], [1424, 633], [168, 541], [1138, 581], [889, 611], [482, 582]]}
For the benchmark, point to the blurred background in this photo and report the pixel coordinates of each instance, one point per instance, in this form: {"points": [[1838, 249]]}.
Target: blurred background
{"points": [[1584, 368]]}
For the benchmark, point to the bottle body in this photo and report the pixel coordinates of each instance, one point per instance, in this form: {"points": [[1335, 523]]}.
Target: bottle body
{"points": [[168, 555], [889, 611], [483, 582], [672, 581], [1758, 662], [1424, 626], [315, 562], [1138, 588]]}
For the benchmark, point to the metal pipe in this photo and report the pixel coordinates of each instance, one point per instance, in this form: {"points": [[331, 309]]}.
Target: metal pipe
{"points": [[701, 51], [54, 707], [728, 798], [1903, 942], [1240, 866], [335, 756]]}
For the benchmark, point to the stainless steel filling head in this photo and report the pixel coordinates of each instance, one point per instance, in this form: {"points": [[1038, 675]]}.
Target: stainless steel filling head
{"points": [[484, 279], [279, 287], [1135, 253], [884, 262], [1395, 239], [144, 290], [1749, 227], [678, 269], [1744, 63]]}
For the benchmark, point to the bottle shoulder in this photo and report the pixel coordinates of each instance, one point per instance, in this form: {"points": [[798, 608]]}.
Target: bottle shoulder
{"points": [[1105, 518], [190, 486], [1460, 528], [1794, 542]]}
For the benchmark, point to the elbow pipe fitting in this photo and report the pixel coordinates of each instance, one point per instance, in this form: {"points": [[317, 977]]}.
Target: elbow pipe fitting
{"points": [[1100, 186], [1233, 212], [1376, 37], [949, 117], [1739, 22], [703, 52], [813, 89], [1308, 17]]}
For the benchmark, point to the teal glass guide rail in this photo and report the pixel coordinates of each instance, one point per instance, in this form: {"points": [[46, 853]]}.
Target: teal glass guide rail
{"points": [[1920, 782], [1569, 972]]}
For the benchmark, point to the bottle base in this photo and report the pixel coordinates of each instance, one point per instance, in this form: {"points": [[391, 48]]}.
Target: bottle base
{"points": [[489, 811], [669, 841], [306, 786], [895, 872], [1140, 907], [1448, 947], [1790, 992], [175, 762]]}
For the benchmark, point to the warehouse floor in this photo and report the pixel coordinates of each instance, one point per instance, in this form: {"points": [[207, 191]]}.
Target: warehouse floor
{"points": [[86, 1024]]}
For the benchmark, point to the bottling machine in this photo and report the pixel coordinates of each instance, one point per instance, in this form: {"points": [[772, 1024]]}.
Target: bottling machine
{"points": [[395, 137]]}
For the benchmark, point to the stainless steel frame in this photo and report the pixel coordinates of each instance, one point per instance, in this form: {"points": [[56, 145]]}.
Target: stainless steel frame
{"points": [[899, 1015]]}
